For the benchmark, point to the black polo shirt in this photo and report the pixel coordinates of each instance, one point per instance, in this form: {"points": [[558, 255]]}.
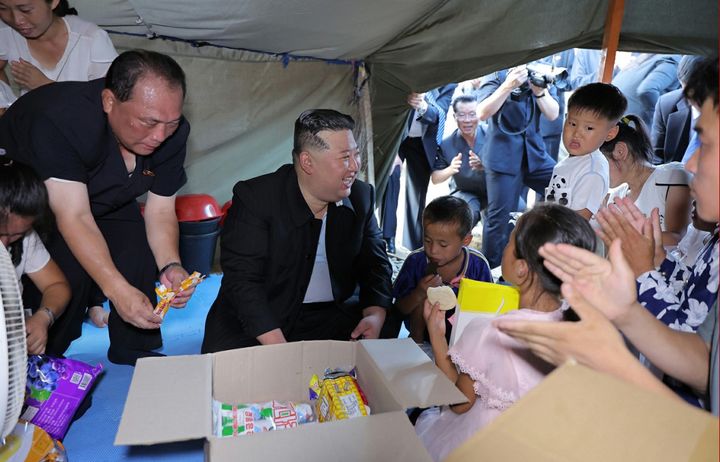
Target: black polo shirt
{"points": [[61, 131]]}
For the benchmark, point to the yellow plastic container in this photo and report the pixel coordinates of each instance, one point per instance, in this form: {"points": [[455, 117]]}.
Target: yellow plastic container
{"points": [[486, 297]]}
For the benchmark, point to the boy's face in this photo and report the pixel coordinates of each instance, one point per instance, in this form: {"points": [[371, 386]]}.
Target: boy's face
{"points": [[584, 131], [704, 186], [442, 242]]}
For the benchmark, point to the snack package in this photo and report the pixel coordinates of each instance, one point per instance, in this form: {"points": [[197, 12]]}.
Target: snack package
{"points": [[54, 390], [166, 296], [245, 419], [28, 443], [337, 396]]}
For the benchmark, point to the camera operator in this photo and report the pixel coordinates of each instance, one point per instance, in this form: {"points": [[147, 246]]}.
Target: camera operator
{"points": [[514, 153]]}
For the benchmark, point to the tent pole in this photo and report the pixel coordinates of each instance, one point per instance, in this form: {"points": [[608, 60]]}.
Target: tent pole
{"points": [[366, 114], [611, 38]]}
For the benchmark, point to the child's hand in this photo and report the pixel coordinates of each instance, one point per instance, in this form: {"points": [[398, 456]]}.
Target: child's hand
{"points": [[434, 319], [431, 280]]}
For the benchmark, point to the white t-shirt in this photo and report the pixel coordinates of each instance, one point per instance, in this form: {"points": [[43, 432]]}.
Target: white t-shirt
{"points": [[34, 257], [654, 191], [580, 182], [88, 54]]}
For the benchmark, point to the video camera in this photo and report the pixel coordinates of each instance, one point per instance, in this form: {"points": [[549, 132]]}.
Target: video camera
{"points": [[542, 75]]}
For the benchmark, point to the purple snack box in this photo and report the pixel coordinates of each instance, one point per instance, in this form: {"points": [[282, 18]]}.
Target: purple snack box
{"points": [[54, 390]]}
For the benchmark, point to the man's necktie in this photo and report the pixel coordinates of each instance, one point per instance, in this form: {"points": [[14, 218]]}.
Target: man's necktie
{"points": [[430, 98]]}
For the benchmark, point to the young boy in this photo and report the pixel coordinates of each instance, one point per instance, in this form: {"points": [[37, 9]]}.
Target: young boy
{"points": [[581, 180], [444, 259]]}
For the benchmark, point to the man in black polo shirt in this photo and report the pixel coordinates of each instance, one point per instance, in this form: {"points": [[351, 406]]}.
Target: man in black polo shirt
{"points": [[99, 145]]}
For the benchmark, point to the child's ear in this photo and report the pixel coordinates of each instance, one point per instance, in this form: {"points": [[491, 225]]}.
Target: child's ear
{"points": [[521, 268], [467, 240], [612, 133], [620, 152]]}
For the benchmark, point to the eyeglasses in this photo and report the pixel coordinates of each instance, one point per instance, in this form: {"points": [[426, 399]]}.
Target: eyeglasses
{"points": [[466, 116]]}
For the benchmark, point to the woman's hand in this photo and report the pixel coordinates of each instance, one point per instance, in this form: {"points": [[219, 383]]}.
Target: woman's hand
{"points": [[27, 75], [36, 328]]}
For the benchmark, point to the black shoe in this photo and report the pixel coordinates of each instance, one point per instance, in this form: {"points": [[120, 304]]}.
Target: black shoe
{"points": [[390, 244], [126, 356]]}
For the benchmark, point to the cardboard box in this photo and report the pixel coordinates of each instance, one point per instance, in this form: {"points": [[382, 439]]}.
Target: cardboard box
{"points": [[481, 299], [170, 400], [577, 414]]}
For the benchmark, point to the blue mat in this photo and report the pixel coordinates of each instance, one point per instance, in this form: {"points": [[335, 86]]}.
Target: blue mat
{"points": [[90, 439]]}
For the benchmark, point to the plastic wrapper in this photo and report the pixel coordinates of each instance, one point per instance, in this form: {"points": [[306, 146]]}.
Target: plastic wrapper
{"points": [[54, 390], [166, 296], [337, 396], [29, 443], [245, 419]]}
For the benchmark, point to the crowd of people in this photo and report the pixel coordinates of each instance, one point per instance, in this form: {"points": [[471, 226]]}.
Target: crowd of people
{"points": [[302, 255]]}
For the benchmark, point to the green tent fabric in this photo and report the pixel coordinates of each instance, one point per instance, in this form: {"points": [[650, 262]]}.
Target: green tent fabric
{"points": [[241, 103]]}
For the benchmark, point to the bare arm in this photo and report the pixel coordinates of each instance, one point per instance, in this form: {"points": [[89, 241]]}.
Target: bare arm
{"points": [[161, 227], [683, 355], [677, 214], [70, 203], [53, 286], [548, 104], [55, 290], [489, 106]]}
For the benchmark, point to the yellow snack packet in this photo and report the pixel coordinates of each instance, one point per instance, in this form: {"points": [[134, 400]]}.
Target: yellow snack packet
{"points": [[166, 296], [338, 396]]}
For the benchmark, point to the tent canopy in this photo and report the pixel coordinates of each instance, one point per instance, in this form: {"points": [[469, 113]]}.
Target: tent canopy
{"points": [[249, 75]]}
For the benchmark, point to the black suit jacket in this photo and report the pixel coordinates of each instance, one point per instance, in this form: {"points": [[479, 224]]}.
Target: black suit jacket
{"points": [[268, 248], [671, 127]]}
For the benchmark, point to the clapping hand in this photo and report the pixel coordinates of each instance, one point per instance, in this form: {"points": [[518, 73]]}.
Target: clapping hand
{"points": [[27, 75]]}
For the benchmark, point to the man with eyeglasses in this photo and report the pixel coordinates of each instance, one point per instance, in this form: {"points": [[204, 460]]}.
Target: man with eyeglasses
{"points": [[458, 157]]}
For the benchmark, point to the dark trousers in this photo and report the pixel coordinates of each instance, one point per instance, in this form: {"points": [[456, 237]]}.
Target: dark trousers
{"points": [[132, 256], [503, 194], [390, 204], [315, 321], [418, 176]]}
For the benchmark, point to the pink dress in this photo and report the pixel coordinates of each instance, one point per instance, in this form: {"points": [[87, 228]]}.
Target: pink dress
{"points": [[502, 369]]}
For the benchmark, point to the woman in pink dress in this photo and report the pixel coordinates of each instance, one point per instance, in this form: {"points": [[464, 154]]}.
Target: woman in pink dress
{"points": [[492, 369]]}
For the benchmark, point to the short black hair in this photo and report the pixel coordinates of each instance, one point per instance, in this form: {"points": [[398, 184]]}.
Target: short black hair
{"points": [[312, 121], [450, 210], [465, 99], [550, 223], [634, 133], [132, 65], [62, 9], [22, 193], [602, 99], [702, 82]]}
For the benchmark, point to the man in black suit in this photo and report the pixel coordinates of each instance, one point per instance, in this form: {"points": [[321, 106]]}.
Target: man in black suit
{"points": [[296, 245], [418, 149], [673, 119]]}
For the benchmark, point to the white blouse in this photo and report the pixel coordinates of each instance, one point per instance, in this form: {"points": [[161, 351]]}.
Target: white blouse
{"points": [[88, 54]]}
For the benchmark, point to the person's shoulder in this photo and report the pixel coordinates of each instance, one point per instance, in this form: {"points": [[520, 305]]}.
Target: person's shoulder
{"points": [[63, 101], [82, 27], [476, 257], [672, 172], [266, 184]]}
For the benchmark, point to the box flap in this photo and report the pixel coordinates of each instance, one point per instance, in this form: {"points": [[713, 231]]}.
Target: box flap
{"points": [[169, 400], [580, 414], [380, 438], [410, 375]]}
